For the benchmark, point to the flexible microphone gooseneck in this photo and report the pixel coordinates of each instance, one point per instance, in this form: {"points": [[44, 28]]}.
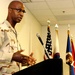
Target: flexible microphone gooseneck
{"points": [[47, 54]]}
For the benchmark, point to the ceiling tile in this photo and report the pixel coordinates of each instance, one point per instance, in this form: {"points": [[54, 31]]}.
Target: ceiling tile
{"points": [[61, 4], [65, 17], [42, 12], [36, 5], [66, 22], [45, 18], [73, 2], [56, 0], [36, 0], [64, 11]]}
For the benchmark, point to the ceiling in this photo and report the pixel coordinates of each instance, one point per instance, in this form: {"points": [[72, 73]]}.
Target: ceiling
{"points": [[61, 12]]}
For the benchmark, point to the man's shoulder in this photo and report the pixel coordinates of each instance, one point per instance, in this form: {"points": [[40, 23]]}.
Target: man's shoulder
{"points": [[3, 25]]}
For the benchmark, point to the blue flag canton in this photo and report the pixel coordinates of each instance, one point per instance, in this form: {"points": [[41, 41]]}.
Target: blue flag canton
{"points": [[68, 45]]}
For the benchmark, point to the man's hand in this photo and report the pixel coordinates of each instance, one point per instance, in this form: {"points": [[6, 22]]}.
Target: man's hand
{"points": [[25, 60], [17, 56], [29, 60]]}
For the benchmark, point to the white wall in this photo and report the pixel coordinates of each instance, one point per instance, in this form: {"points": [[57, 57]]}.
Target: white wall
{"points": [[27, 30]]}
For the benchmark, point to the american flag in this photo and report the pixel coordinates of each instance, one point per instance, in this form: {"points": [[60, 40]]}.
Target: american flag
{"points": [[48, 45]]}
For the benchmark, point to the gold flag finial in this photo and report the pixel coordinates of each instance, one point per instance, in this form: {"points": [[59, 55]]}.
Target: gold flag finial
{"points": [[48, 28], [68, 29]]}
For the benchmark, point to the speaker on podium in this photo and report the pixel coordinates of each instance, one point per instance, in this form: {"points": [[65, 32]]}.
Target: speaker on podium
{"points": [[47, 67]]}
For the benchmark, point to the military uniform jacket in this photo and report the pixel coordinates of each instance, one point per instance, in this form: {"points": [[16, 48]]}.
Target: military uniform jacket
{"points": [[8, 45]]}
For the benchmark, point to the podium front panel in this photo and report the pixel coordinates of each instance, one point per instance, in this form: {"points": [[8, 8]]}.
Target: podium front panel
{"points": [[47, 67]]}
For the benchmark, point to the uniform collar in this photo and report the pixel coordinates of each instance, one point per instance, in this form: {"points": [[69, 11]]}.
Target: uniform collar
{"points": [[9, 26]]}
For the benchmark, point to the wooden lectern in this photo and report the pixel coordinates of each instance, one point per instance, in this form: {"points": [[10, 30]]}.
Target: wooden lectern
{"points": [[47, 67]]}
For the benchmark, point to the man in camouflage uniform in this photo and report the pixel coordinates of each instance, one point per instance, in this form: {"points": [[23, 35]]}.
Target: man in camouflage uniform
{"points": [[11, 58]]}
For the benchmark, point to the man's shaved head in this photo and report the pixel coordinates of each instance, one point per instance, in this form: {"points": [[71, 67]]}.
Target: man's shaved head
{"points": [[16, 11], [14, 4]]}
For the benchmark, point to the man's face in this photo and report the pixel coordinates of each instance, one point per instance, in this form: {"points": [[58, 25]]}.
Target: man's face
{"points": [[17, 13]]}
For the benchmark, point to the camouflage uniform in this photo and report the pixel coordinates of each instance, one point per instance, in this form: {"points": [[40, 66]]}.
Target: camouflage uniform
{"points": [[8, 45]]}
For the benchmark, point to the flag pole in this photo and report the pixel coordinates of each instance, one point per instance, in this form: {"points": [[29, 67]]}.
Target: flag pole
{"points": [[68, 29]]}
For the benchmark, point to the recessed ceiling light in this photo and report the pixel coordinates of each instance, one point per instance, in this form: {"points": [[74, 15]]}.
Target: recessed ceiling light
{"points": [[63, 11]]}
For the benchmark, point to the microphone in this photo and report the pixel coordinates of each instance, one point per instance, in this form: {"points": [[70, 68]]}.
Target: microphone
{"points": [[39, 39], [46, 52]]}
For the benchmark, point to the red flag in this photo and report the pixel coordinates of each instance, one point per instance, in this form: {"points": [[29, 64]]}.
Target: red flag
{"points": [[73, 54]]}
